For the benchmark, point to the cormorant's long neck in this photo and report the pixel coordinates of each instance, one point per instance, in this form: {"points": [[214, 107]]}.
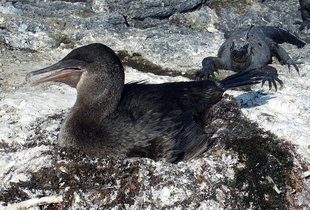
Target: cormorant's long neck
{"points": [[98, 96]]}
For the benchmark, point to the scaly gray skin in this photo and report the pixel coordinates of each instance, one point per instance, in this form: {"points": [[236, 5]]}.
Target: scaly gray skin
{"points": [[305, 14], [252, 48]]}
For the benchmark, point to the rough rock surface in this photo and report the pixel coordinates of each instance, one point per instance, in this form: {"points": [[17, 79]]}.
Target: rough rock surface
{"points": [[247, 167]]}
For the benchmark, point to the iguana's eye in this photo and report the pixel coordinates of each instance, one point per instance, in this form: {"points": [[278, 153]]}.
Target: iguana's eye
{"points": [[79, 63]]}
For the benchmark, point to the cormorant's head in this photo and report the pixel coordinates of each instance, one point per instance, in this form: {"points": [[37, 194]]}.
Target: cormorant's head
{"points": [[95, 59]]}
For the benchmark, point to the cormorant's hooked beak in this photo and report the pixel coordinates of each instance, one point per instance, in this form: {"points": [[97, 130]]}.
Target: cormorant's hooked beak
{"points": [[68, 72]]}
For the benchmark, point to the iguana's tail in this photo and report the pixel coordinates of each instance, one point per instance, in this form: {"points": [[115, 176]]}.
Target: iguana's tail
{"points": [[279, 36]]}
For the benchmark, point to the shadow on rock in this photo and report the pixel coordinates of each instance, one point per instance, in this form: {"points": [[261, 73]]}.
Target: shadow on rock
{"points": [[254, 99]]}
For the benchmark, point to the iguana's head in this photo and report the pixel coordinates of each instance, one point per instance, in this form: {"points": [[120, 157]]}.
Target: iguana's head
{"points": [[241, 51]]}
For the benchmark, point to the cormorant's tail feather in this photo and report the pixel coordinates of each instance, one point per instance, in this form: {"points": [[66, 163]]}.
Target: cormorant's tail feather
{"points": [[243, 78]]}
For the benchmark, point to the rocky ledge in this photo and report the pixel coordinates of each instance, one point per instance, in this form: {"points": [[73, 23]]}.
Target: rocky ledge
{"points": [[260, 157]]}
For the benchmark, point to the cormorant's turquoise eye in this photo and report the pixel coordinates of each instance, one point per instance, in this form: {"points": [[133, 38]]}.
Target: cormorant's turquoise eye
{"points": [[79, 63]]}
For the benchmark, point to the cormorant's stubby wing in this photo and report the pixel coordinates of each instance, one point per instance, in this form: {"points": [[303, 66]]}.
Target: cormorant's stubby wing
{"points": [[190, 140], [164, 115], [172, 135]]}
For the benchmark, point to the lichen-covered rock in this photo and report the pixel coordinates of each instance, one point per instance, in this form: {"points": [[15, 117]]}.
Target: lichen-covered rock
{"points": [[198, 20]]}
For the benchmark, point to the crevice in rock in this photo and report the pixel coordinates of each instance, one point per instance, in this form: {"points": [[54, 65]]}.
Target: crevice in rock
{"points": [[197, 7], [126, 21], [138, 62]]}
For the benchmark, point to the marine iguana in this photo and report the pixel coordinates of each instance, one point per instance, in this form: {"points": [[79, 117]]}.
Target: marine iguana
{"points": [[252, 48]]}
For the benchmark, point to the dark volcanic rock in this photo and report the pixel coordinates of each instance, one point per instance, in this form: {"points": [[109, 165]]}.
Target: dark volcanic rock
{"points": [[140, 10], [145, 14], [273, 13]]}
